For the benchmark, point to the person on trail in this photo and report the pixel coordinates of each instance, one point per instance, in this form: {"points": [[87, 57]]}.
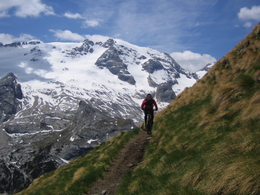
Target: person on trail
{"points": [[147, 106]]}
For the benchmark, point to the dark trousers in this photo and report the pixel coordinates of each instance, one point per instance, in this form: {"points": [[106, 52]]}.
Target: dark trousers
{"points": [[146, 111]]}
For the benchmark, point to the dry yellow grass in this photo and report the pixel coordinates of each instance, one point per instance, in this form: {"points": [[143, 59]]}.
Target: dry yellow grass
{"points": [[134, 186], [78, 174], [252, 110]]}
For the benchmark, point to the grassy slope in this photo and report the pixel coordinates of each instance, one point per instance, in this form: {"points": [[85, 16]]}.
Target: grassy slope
{"points": [[76, 177], [207, 141]]}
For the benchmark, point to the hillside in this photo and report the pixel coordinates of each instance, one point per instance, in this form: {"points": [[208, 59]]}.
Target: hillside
{"points": [[205, 142]]}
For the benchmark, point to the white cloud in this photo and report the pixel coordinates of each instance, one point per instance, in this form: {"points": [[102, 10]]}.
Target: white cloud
{"points": [[248, 24], [91, 23], [192, 61], [73, 16], [67, 35], [117, 35], [4, 14], [7, 38], [87, 22], [248, 15], [24, 8]]}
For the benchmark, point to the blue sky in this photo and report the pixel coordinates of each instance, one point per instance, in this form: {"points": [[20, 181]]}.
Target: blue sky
{"points": [[193, 32]]}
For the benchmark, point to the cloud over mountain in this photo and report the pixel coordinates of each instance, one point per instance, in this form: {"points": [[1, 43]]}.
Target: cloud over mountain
{"points": [[248, 15], [192, 61]]}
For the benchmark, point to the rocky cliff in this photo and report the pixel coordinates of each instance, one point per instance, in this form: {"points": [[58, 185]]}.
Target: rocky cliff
{"points": [[10, 91]]}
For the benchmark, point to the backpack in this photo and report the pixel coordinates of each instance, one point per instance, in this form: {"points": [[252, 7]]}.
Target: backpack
{"points": [[149, 103]]}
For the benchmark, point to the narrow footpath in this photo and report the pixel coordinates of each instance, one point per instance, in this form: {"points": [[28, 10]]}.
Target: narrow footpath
{"points": [[129, 157]]}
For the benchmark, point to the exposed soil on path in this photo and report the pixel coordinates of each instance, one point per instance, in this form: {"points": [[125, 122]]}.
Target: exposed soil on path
{"points": [[129, 157]]}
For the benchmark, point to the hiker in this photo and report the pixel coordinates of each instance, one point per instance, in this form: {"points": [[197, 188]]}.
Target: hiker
{"points": [[147, 105]]}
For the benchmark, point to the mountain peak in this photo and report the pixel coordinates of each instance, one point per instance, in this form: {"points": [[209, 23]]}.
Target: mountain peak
{"points": [[10, 78], [109, 43]]}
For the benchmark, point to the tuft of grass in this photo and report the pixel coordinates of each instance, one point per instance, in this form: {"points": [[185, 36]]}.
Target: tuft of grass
{"points": [[245, 82]]}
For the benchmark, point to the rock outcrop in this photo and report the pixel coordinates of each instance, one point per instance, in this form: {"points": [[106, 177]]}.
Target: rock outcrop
{"points": [[110, 59], [10, 91]]}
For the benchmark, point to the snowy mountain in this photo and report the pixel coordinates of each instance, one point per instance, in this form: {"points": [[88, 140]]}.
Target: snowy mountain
{"points": [[74, 96], [200, 73], [100, 69]]}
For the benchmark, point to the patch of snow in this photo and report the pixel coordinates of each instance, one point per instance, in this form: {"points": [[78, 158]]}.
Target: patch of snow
{"points": [[183, 82], [92, 140], [201, 73], [63, 160]]}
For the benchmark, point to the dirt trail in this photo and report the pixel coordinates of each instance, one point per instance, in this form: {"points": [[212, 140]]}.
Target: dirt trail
{"points": [[128, 158]]}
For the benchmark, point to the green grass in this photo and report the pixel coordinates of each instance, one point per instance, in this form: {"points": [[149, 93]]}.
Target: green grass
{"points": [[186, 158], [175, 142], [76, 177]]}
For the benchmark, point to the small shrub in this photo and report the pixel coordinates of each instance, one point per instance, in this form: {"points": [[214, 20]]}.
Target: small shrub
{"points": [[245, 82]]}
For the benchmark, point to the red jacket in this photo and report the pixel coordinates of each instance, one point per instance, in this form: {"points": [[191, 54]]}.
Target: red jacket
{"points": [[149, 104]]}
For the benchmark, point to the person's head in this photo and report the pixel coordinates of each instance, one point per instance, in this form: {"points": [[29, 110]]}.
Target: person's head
{"points": [[149, 96]]}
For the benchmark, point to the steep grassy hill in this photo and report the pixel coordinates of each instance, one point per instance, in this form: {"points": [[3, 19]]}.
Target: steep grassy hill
{"points": [[76, 177], [207, 141]]}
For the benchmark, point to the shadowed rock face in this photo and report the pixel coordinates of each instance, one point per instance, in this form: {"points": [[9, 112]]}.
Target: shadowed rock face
{"points": [[110, 59], [84, 49], [31, 164], [152, 65], [10, 91], [164, 92]]}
